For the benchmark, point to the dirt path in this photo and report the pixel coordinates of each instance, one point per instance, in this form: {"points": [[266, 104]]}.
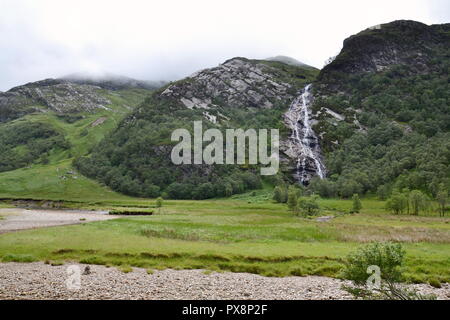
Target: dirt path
{"points": [[40, 281], [20, 219]]}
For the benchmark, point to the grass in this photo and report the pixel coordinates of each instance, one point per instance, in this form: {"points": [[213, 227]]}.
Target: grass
{"points": [[58, 180], [246, 234]]}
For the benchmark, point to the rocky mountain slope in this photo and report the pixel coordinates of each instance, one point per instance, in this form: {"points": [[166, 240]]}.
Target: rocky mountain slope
{"points": [[71, 94], [58, 119], [382, 111], [379, 48], [240, 93]]}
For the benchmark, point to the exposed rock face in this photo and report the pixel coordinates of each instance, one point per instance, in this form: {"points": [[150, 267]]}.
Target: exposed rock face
{"points": [[376, 49], [63, 96], [56, 95], [237, 83], [411, 47], [242, 83]]}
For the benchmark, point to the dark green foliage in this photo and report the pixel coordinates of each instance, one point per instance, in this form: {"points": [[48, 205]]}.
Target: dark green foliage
{"points": [[388, 259], [292, 200], [408, 202], [387, 256], [401, 138], [418, 202], [22, 143], [132, 213], [135, 158], [159, 202], [398, 203], [442, 199], [308, 206], [280, 194], [356, 205]]}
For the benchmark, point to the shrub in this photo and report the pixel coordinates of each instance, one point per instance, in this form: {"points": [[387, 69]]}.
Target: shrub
{"points": [[356, 203], [308, 205], [280, 194], [159, 202], [292, 200], [387, 258]]}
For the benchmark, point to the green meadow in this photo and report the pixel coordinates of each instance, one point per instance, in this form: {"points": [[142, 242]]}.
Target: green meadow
{"points": [[245, 233]]}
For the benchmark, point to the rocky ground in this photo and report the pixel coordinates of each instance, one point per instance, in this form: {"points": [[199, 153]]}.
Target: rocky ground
{"points": [[41, 281], [19, 219]]}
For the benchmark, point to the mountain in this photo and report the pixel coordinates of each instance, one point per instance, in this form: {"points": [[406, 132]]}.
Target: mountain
{"points": [[240, 93], [375, 120], [50, 95], [382, 111], [57, 119]]}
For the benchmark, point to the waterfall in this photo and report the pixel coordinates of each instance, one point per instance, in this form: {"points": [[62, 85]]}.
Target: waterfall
{"points": [[303, 143]]}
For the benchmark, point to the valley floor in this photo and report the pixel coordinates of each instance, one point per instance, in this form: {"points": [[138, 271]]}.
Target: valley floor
{"points": [[247, 243], [42, 281], [20, 219]]}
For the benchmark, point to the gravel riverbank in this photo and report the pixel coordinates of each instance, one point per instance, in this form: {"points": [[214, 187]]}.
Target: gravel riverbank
{"points": [[41, 281], [15, 219]]}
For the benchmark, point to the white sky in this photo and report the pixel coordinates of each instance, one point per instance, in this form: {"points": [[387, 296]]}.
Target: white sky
{"points": [[167, 40]]}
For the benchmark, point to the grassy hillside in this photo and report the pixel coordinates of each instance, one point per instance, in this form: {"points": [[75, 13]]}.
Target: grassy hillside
{"points": [[49, 175]]}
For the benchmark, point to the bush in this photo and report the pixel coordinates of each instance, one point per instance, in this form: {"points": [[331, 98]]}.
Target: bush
{"points": [[308, 205], [356, 203], [292, 200], [280, 194], [387, 259], [159, 202]]}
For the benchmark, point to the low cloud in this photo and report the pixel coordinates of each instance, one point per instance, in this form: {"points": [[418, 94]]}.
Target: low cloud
{"points": [[169, 40]]}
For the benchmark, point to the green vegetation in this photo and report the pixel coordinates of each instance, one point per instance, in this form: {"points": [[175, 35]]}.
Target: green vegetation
{"points": [[405, 140], [309, 206], [135, 159], [356, 203], [393, 141], [24, 142], [383, 261], [41, 146], [411, 202], [249, 234]]}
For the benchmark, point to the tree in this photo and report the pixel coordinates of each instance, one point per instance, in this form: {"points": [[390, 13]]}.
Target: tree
{"points": [[356, 203], [308, 205], [292, 200], [442, 199], [279, 194], [397, 203], [375, 272], [418, 202], [383, 192], [159, 202]]}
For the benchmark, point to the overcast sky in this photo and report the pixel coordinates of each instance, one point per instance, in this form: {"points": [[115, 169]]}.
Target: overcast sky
{"points": [[167, 40]]}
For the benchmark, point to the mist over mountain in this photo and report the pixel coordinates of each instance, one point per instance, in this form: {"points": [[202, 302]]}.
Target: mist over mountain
{"points": [[288, 60], [112, 81]]}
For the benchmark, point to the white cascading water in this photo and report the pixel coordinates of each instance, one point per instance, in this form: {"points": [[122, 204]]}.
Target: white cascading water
{"points": [[303, 143]]}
